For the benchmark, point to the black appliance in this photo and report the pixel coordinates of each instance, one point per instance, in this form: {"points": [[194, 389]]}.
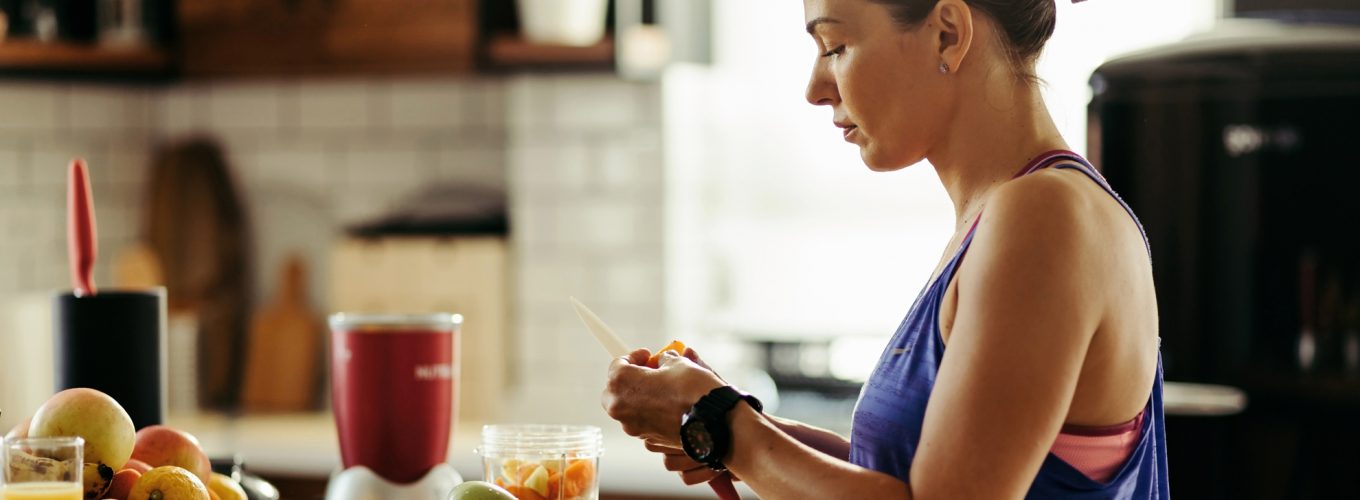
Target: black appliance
{"points": [[1240, 152]]}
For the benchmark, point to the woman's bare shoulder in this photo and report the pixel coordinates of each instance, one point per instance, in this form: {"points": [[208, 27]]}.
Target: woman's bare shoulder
{"points": [[1055, 209]]}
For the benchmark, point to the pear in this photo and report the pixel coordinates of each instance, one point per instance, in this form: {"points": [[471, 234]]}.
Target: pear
{"points": [[479, 490]]}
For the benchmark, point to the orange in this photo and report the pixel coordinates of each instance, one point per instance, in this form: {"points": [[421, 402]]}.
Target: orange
{"points": [[579, 477], [523, 493], [169, 483], [675, 346]]}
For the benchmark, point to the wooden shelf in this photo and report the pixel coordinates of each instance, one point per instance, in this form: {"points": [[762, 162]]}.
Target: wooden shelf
{"points": [[34, 57], [507, 51]]}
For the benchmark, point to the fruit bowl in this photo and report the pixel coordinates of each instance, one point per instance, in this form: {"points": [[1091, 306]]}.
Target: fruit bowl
{"points": [[256, 487]]}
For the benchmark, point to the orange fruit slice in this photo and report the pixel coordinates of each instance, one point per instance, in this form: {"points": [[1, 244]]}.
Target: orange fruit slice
{"points": [[675, 346]]}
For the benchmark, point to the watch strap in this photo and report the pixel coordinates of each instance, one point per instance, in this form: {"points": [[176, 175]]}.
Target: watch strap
{"points": [[712, 409]]}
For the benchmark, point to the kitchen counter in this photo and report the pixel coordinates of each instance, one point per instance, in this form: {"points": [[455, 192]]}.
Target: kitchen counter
{"points": [[305, 446]]}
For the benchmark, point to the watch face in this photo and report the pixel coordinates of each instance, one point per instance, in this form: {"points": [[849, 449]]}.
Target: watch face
{"points": [[698, 438]]}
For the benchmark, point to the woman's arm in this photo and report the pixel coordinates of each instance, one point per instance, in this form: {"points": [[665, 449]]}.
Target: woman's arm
{"points": [[819, 439], [1030, 298], [814, 437], [776, 465]]}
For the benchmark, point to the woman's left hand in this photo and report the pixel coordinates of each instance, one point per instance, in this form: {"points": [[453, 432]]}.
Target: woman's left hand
{"points": [[650, 402]]}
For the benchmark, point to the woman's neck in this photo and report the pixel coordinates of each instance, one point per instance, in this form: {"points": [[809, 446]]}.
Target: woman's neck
{"points": [[990, 140]]}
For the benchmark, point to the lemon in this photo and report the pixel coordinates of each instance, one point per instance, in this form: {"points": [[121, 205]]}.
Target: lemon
{"points": [[169, 483], [226, 488]]}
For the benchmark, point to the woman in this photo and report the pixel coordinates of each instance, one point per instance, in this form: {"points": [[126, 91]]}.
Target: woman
{"points": [[1028, 369]]}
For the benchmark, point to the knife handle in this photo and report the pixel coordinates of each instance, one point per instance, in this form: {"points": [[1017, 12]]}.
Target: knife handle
{"points": [[722, 486], [80, 228]]}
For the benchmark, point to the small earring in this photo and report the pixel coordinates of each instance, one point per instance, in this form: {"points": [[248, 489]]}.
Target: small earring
{"points": [[944, 68]]}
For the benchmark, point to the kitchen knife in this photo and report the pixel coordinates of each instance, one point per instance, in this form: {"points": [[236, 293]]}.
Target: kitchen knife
{"points": [[610, 341]]}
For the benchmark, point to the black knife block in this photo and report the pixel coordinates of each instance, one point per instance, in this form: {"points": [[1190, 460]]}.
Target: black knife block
{"points": [[114, 342]]}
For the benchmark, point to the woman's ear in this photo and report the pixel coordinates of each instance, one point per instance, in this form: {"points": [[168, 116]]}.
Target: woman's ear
{"points": [[955, 23]]}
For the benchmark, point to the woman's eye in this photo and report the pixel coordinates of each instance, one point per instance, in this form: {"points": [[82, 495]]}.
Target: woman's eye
{"points": [[840, 49]]}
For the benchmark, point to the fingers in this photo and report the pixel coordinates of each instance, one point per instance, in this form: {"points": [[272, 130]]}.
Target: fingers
{"points": [[680, 463], [669, 358], [662, 448], [693, 355], [697, 476]]}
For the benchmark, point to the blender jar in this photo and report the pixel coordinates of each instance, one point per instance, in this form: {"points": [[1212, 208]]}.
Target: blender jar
{"points": [[543, 462]]}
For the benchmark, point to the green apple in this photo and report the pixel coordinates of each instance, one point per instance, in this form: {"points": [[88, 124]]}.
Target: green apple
{"points": [[92, 415], [479, 490]]}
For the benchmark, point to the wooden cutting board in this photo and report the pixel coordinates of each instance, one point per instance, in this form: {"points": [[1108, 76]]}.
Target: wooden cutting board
{"points": [[195, 223], [283, 348]]}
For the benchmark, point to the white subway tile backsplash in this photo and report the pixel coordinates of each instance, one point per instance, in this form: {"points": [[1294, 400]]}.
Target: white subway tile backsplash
{"points": [[486, 103], [181, 110], [594, 101], [603, 224], [428, 104], [540, 167], [486, 167], [29, 107], [362, 203], [105, 109], [12, 275], [98, 108], [633, 279], [48, 164], [332, 105], [579, 155], [39, 217], [542, 343], [294, 166], [12, 167], [384, 164], [127, 166], [529, 100], [623, 167], [50, 271], [249, 106], [532, 223], [552, 282]]}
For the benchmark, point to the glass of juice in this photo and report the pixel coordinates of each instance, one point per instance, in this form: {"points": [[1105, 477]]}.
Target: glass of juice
{"points": [[43, 468]]}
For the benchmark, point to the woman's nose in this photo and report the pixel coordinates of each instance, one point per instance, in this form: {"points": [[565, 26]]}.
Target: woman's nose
{"points": [[821, 90]]}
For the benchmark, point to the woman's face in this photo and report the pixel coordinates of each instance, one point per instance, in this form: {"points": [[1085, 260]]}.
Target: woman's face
{"points": [[883, 83]]}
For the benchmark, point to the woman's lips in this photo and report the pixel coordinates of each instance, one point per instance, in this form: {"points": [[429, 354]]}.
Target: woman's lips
{"points": [[849, 132]]}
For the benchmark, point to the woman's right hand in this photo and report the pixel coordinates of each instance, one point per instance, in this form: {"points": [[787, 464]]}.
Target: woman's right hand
{"points": [[675, 459]]}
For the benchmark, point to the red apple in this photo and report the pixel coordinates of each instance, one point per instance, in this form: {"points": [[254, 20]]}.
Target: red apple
{"points": [[122, 483], [158, 446], [137, 465], [19, 431]]}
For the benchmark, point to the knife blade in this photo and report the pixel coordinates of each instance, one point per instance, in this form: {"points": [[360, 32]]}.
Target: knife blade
{"points": [[609, 340]]}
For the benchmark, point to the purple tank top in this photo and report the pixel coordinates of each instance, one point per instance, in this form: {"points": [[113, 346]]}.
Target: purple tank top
{"points": [[892, 405]]}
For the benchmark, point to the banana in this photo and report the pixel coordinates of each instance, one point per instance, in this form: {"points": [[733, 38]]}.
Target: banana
{"points": [[97, 479], [24, 467]]}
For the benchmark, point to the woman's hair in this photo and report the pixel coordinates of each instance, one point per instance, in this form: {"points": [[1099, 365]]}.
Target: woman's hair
{"points": [[1026, 24]]}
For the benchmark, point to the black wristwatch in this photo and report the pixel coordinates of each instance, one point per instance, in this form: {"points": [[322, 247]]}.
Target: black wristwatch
{"points": [[704, 433]]}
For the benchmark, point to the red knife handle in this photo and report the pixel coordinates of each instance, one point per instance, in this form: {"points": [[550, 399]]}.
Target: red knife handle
{"points": [[722, 485], [80, 228]]}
